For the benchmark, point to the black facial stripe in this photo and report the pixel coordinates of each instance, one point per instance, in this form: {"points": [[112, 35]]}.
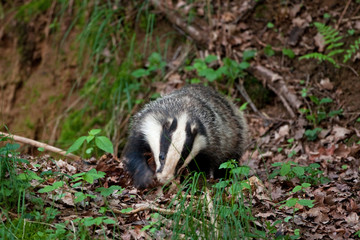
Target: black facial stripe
{"points": [[165, 141], [188, 145]]}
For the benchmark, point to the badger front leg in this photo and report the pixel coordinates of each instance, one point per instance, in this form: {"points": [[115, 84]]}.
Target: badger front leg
{"points": [[135, 161]]}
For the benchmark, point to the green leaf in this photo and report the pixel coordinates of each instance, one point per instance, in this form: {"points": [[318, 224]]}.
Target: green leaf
{"points": [[325, 100], [306, 202], [285, 169], [109, 221], [41, 149], [315, 100], [227, 164], [89, 150], [94, 132], [89, 138], [248, 54], [210, 58], [76, 145], [244, 65], [269, 51], [12, 146], [108, 191], [104, 144], [270, 25], [243, 170], [54, 186], [209, 73], [291, 202], [312, 134], [288, 52], [243, 107], [335, 113], [296, 189], [126, 210], [140, 73], [306, 185], [277, 164], [299, 171], [221, 184]]}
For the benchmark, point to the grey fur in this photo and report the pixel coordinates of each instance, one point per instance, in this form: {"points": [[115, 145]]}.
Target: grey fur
{"points": [[216, 118]]}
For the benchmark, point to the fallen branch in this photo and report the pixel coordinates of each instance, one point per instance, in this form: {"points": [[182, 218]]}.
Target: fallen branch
{"points": [[144, 208], [194, 31], [40, 145], [277, 84]]}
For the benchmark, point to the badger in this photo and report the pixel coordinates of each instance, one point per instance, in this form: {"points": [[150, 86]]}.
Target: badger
{"points": [[194, 126]]}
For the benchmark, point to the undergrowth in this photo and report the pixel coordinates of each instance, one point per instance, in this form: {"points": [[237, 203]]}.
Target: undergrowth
{"points": [[333, 43]]}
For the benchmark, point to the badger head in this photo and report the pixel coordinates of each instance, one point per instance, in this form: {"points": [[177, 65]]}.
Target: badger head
{"points": [[174, 142]]}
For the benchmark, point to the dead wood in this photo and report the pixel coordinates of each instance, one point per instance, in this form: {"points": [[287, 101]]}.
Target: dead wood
{"points": [[242, 90], [200, 35], [277, 84], [40, 144]]}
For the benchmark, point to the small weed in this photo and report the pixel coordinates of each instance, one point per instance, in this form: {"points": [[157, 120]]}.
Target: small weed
{"points": [[94, 140], [230, 69], [308, 174], [289, 53], [320, 114], [333, 43]]}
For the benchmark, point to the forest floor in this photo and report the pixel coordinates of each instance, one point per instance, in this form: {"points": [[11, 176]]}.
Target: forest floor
{"points": [[304, 134]]}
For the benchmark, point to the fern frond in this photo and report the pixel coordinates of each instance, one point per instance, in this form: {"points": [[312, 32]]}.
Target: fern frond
{"points": [[320, 57], [334, 52], [330, 34], [352, 49]]}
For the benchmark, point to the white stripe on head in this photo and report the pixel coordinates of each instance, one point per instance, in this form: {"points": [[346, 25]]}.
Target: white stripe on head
{"points": [[174, 153], [151, 128]]}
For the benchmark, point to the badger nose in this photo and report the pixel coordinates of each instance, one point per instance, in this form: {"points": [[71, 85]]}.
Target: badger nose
{"points": [[162, 157]]}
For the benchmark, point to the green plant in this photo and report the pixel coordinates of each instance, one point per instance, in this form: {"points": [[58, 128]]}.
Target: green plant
{"points": [[288, 52], [312, 134], [353, 48], [155, 63], [12, 185], [318, 115], [153, 225], [332, 41], [94, 140], [81, 179], [306, 174], [230, 69], [269, 51]]}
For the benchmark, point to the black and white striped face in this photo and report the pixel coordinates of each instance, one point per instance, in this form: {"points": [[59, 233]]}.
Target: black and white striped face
{"points": [[174, 143]]}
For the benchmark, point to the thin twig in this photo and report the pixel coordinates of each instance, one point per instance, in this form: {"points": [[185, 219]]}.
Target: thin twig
{"points": [[285, 103], [342, 14], [242, 90], [40, 145]]}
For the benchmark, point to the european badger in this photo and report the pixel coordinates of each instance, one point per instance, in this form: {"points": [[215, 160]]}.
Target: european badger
{"points": [[193, 123]]}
